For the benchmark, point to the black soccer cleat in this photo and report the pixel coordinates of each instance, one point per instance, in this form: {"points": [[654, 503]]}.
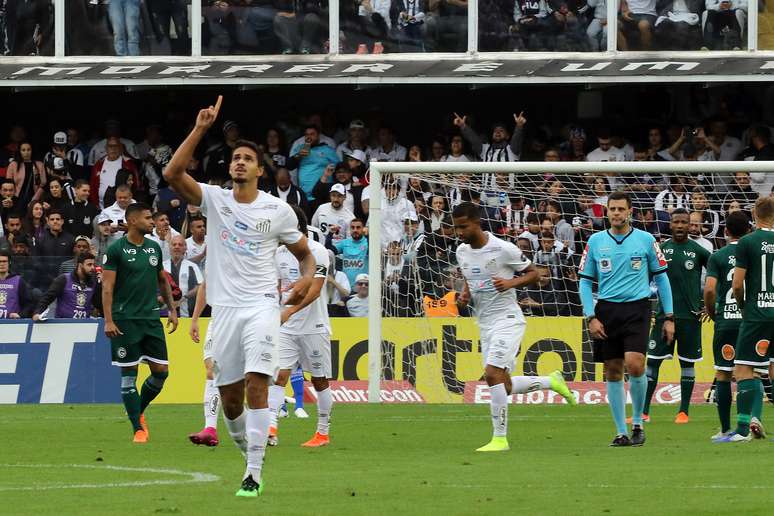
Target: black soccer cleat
{"points": [[638, 436], [621, 440]]}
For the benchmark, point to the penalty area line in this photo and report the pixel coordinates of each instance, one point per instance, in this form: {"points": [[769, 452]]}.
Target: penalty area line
{"points": [[189, 477]]}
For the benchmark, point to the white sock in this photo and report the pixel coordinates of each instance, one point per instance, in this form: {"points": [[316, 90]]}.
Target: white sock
{"points": [[276, 398], [257, 434], [211, 404], [498, 406], [521, 384], [324, 406], [236, 429]]}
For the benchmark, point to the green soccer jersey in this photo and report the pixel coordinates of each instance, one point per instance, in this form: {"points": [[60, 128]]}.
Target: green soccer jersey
{"points": [[137, 270], [755, 254], [721, 267], [686, 260]]}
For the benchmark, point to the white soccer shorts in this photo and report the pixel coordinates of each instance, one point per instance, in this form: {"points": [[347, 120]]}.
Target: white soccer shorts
{"points": [[207, 350], [313, 352], [500, 345], [244, 340]]}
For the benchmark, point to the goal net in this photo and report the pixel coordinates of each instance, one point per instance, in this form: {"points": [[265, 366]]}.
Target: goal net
{"points": [[549, 210]]}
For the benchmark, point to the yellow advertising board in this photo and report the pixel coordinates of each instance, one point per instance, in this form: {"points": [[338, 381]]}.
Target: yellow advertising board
{"points": [[437, 355]]}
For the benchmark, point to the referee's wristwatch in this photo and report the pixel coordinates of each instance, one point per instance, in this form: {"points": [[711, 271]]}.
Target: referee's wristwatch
{"points": [[669, 317]]}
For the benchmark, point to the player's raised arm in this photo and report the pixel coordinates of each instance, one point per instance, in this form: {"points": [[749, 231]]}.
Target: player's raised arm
{"points": [[175, 174]]}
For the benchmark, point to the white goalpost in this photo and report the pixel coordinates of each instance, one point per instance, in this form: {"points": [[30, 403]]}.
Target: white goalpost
{"points": [[519, 179]]}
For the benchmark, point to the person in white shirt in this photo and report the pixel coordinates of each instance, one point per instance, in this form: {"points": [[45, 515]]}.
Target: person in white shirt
{"points": [[186, 274], [695, 233], [196, 247], [305, 337], [395, 211], [332, 217], [606, 151], [355, 141], [162, 234], [244, 229], [357, 305], [456, 150], [489, 266], [117, 212], [112, 130], [388, 149]]}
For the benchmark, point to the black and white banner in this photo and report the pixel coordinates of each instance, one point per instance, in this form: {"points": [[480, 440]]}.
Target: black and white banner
{"points": [[423, 70]]}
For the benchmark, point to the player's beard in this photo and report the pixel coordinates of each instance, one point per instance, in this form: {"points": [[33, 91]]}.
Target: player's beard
{"points": [[240, 180]]}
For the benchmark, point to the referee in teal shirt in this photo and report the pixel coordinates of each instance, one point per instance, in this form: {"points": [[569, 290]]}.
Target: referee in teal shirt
{"points": [[622, 260]]}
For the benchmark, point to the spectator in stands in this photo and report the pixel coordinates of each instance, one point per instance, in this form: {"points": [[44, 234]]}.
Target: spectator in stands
{"points": [[154, 155], [12, 226], [27, 173], [9, 203], [311, 156], [185, 273], [494, 19], [72, 159], [79, 213], [388, 149], [163, 14], [332, 217], [696, 229], [116, 211], [597, 28], [761, 148], [54, 196], [544, 298], [436, 214], [74, 143], [102, 237], [287, 191], [337, 287], [533, 26], [456, 150], [563, 230], [724, 23], [395, 210], [196, 247], [55, 241], [105, 171], [16, 301], [125, 21], [22, 263], [678, 26], [645, 219], [673, 197], [635, 24], [742, 191], [173, 205], [112, 131], [301, 26], [356, 138], [503, 146], [710, 219], [605, 151], [407, 18], [568, 20], [446, 25], [16, 136], [218, 157], [357, 305], [730, 146], [551, 254], [163, 234], [353, 250], [34, 223], [275, 153], [342, 175], [81, 246]]}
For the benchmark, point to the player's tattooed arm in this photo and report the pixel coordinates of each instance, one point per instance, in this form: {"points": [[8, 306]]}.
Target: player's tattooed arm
{"points": [[166, 294]]}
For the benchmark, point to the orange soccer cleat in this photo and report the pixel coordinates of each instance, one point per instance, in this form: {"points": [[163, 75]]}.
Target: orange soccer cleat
{"points": [[645, 419], [317, 441], [272, 440], [682, 418], [144, 425], [140, 437]]}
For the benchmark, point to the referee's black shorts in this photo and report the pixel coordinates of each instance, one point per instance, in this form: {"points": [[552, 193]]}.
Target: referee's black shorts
{"points": [[627, 326]]}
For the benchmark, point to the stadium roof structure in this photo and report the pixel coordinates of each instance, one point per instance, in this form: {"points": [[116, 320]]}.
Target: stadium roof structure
{"points": [[484, 68]]}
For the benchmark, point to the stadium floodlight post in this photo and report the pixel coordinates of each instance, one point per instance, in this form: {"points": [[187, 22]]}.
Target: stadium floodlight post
{"points": [[381, 169]]}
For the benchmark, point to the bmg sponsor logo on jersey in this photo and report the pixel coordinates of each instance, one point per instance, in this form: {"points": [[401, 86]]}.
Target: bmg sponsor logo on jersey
{"points": [[238, 244]]}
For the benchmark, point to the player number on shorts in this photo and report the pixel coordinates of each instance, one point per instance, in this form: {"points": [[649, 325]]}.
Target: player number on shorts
{"points": [[764, 283]]}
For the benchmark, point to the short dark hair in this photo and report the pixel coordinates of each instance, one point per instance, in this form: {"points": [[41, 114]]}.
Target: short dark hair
{"points": [[312, 126], [761, 131], [248, 144], [137, 207], [301, 216], [618, 195], [85, 256], [468, 210], [737, 224], [80, 182], [158, 214], [547, 234], [679, 211], [7, 181], [532, 218], [555, 205], [123, 188], [54, 211], [356, 219]]}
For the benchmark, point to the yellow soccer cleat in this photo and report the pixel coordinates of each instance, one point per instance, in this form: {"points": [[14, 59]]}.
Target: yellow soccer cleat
{"points": [[496, 444], [559, 386]]}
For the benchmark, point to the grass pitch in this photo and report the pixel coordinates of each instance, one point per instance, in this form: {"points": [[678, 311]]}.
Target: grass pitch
{"points": [[415, 459]]}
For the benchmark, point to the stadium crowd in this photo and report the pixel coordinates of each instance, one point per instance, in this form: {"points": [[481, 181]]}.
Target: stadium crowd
{"points": [[142, 27], [68, 198]]}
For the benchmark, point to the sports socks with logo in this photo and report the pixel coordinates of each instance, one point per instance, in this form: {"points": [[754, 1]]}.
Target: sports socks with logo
{"points": [[324, 406], [257, 433], [151, 388], [211, 404], [130, 397], [498, 407], [276, 398], [616, 396]]}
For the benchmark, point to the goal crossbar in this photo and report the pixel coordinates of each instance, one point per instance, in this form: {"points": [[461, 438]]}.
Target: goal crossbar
{"points": [[377, 170]]}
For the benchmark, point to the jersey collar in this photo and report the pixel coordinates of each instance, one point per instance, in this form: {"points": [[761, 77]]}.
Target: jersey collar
{"points": [[631, 230]]}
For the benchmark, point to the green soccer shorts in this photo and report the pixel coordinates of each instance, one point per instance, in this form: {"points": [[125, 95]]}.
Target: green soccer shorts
{"points": [[687, 337], [753, 346], [142, 341], [724, 348]]}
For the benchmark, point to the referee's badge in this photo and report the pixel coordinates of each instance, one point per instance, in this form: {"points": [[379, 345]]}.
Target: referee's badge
{"points": [[689, 265], [605, 265], [636, 263]]}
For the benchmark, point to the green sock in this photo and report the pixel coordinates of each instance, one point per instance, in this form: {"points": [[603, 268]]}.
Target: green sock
{"points": [[748, 390], [687, 381], [723, 398], [130, 397], [652, 373], [757, 407], [151, 388]]}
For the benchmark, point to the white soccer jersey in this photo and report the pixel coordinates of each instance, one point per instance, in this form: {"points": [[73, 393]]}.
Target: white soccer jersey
{"points": [[497, 259], [313, 318], [241, 242], [325, 216]]}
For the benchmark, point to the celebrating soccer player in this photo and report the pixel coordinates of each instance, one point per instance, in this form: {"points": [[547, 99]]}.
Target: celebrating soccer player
{"points": [[489, 266], [305, 337], [721, 307], [622, 261], [685, 261], [244, 229], [753, 287], [131, 275]]}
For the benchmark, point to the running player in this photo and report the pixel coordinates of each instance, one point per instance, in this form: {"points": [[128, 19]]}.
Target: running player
{"points": [[244, 229], [208, 435], [489, 265], [304, 337], [131, 275]]}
